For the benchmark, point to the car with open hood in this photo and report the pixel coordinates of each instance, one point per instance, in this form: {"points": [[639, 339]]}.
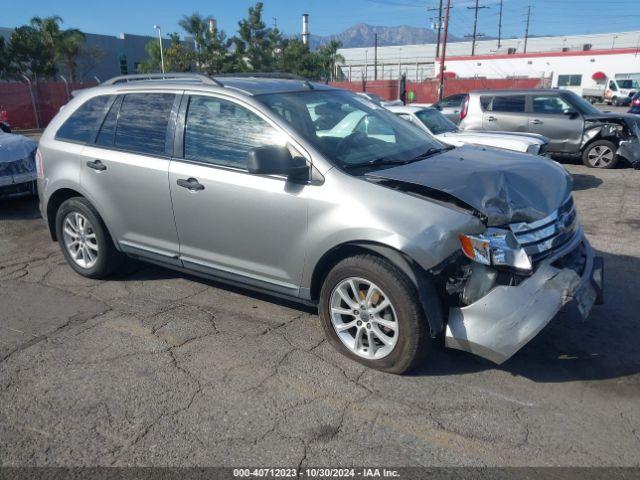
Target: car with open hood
{"points": [[435, 123], [573, 126], [17, 165], [397, 238]]}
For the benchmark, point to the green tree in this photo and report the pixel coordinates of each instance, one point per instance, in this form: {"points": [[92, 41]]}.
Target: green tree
{"points": [[329, 58], [257, 46], [6, 69], [177, 57], [30, 54], [153, 62], [69, 48], [296, 57]]}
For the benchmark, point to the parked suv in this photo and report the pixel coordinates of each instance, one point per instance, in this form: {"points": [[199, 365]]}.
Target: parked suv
{"points": [[573, 125], [395, 237]]}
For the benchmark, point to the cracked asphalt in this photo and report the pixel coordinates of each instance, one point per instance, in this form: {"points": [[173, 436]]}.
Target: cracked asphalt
{"points": [[154, 367]]}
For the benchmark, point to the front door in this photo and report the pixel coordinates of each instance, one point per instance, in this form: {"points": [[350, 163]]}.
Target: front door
{"points": [[232, 224], [556, 119]]}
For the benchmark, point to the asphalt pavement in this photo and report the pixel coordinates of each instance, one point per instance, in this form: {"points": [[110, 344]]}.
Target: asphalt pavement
{"points": [[154, 367]]}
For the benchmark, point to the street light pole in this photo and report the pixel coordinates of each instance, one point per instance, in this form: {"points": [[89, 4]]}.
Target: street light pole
{"points": [[157, 27]]}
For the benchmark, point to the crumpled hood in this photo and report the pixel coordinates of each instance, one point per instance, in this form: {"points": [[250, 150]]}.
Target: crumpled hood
{"points": [[15, 147], [504, 186]]}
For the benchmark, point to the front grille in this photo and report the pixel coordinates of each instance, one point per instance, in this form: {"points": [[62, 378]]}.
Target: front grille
{"points": [[541, 238]]}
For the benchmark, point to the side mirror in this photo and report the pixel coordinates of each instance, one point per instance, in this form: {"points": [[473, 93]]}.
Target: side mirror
{"points": [[570, 112], [277, 160]]}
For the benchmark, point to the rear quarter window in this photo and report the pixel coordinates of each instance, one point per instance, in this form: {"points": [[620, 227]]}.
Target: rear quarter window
{"points": [[83, 124]]}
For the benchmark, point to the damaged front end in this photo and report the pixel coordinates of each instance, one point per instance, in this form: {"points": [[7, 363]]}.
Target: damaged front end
{"points": [[624, 131], [498, 302]]}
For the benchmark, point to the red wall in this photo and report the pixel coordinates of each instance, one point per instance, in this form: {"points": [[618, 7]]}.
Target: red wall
{"points": [[427, 92], [50, 96]]}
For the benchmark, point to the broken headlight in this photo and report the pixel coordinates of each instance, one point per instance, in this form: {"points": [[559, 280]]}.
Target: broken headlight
{"points": [[497, 247]]}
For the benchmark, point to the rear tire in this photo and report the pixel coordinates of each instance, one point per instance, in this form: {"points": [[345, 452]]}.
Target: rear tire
{"points": [[401, 339], [600, 154], [85, 241]]}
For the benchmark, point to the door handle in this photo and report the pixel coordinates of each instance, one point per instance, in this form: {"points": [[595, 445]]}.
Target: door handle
{"points": [[491, 118], [191, 184], [97, 165], [536, 122]]}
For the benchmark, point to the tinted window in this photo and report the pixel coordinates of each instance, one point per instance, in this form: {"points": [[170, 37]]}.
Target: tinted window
{"points": [[569, 80], [451, 102], [436, 122], [551, 104], [221, 132], [107, 134], [85, 121], [612, 86], [511, 103], [142, 122]]}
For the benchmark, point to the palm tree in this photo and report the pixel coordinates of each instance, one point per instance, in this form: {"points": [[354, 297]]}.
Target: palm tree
{"points": [[68, 49], [196, 25]]}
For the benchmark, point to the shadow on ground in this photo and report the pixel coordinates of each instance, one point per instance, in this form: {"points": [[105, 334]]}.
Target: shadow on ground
{"points": [[20, 208]]}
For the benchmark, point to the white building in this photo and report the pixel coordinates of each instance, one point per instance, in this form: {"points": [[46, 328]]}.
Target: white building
{"points": [[612, 53]]}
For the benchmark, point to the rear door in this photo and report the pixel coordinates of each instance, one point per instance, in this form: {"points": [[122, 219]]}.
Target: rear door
{"points": [[555, 118], [232, 224], [125, 173], [504, 113]]}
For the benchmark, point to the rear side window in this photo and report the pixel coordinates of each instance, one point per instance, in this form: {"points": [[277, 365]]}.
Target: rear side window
{"points": [[222, 133], [507, 103], [83, 124], [142, 122]]}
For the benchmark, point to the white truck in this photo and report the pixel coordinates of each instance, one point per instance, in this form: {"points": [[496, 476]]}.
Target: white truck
{"points": [[614, 90]]}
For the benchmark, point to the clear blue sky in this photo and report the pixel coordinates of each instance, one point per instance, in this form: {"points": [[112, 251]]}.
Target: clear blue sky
{"points": [[549, 17]]}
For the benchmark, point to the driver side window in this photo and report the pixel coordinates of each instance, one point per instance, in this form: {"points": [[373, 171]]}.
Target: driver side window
{"points": [[550, 105], [221, 132]]}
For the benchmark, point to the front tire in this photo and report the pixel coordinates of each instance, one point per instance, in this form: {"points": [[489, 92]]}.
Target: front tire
{"points": [[370, 312], [600, 154], [85, 241]]}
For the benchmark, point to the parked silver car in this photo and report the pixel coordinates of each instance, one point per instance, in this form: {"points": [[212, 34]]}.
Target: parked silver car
{"points": [[397, 238], [572, 125]]}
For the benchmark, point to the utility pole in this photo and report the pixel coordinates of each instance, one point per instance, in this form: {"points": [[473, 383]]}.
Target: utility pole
{"points": [[444, 50], [375, 56], [438, 26], [500, 25], [475, 26], [526, 32]]}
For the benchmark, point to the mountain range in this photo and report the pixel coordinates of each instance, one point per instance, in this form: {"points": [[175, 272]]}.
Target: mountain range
{"points": [[363, 35]]}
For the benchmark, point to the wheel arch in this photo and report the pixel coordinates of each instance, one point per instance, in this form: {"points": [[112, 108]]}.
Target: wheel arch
{"points": [[421, 279]]}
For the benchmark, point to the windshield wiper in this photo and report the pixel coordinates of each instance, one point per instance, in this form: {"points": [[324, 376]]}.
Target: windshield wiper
{"points": [[431, 151], [376, 162]]}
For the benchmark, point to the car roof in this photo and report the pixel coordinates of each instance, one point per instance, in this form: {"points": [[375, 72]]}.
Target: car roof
{"points": [[519, 92], [257, 84]]}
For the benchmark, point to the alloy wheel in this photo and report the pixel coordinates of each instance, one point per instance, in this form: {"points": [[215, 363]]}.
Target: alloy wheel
{"points": [[80, 239], [364, 318], [600, 156]]}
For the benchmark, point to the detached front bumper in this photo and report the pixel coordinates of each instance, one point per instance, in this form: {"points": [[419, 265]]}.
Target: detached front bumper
{"points": [[503, 321]]}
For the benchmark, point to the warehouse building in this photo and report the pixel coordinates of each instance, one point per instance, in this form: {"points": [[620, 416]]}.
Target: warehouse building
{"points": [[611, 52]]}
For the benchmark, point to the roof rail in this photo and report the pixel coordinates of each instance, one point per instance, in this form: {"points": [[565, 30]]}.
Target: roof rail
{"points": [[275, 75], [204, 79]]}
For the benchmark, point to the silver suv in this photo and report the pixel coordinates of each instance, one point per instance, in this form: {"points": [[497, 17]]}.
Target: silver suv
{"points": [[573, 125], [397, 239]]}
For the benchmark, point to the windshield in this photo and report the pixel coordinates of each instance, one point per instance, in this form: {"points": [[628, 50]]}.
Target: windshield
{"points": [[349, 129], [436, 122], [580, 104], [629, 83]]}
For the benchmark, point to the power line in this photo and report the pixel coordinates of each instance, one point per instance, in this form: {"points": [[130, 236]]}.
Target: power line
{"points": [[475, 26]]}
